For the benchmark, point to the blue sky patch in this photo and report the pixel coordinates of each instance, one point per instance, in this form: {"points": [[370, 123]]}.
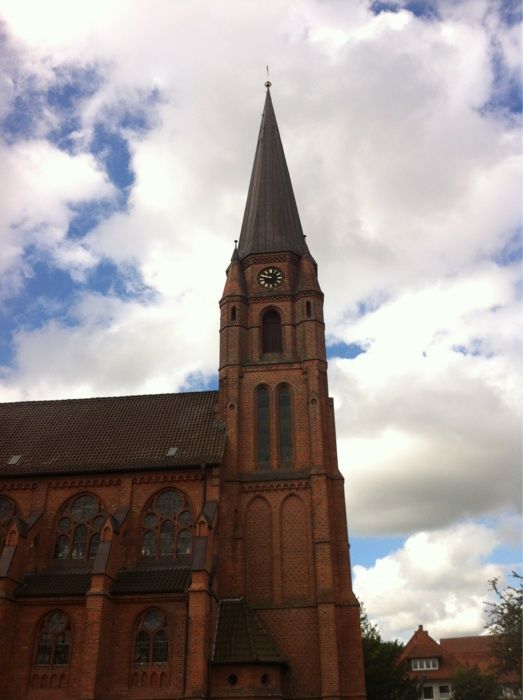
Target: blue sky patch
{"points": [[365, 550], [512, 251], [345, 350], [26, 111], [425, 9], [112, 150], [197, 381], [511, 12]]}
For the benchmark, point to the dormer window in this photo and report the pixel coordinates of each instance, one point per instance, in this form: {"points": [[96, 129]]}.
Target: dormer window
{"points": [[424, 664]]}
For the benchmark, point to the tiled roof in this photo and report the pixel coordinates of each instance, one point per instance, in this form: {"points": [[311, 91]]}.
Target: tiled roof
{"points": [[70, 583], [468, 645], [114, 433], [421, 646], [476, 651], [271, 222], [240, 636], [160, 580]]}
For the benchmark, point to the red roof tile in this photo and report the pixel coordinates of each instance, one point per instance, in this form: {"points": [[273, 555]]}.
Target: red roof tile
{"points": [[113, 433]]}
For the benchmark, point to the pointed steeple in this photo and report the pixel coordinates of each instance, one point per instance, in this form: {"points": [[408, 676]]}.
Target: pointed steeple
{"points": [[271, 222]]}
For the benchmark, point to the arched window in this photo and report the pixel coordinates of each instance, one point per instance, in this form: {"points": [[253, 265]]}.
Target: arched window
{"points": [[8, 511], [78, 529], [284, 425], [308, 309], [53, 640], [263, 426], [167, 525], [151, 642], [271, 332], [233, 313]]}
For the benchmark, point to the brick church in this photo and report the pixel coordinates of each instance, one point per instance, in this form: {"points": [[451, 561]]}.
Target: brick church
{"points": [[190, 545]]}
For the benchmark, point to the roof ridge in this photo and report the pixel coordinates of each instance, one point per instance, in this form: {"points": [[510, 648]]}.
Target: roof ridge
{"points": [[115, 396], [246, 611]]}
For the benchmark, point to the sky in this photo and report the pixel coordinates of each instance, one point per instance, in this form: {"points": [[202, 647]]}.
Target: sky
{"points": [[127, 134]]}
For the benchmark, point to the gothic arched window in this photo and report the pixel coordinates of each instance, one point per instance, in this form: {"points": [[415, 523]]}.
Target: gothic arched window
{"points": [[271, 332], [263, 425], [284, 425], [167, 525], [78, 529], [8, 511], [53, 640], [151, 643]]}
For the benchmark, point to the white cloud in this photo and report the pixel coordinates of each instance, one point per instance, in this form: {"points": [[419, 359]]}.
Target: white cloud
{"points": [[422, 427], [438, 579], [38, 183]]}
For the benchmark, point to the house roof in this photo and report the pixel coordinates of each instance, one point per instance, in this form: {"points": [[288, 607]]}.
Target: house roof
{"points": [[113, 433], [240, 637], [271, 222], [421, 646]]}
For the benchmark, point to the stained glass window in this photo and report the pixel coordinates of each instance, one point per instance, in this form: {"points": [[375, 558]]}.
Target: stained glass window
{"points": [[78, 529], [53, 640], [284, 425], [263, 423], [151, 641], [167, 516], [271, 332]]}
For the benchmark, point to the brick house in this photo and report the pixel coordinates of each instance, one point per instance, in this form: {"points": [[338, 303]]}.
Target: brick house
{"points": [[432, 665], [190, 545]]}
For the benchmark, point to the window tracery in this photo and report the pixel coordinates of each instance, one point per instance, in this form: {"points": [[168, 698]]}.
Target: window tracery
{"points": [[78, 529], [151, 644], [167, 525], [53, 640]]}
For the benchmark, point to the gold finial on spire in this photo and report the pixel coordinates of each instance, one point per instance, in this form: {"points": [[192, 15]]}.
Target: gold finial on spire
{"points": [[268, 82]]}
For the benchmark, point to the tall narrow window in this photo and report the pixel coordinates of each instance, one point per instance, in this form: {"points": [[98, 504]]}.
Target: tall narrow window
{"points": [[271, 332], [263, 423], [53, 640], [8, 511], [167, 525], [151, 642], [78, 528], [284, 425], [308, 309], [233, 313]]}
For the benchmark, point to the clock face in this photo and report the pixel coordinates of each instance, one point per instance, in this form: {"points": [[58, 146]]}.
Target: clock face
{"points": [[270, 277]]}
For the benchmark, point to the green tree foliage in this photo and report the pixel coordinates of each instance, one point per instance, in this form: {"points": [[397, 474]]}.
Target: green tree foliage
{"points": [[504, 619], [385, 678], [470, 684]]}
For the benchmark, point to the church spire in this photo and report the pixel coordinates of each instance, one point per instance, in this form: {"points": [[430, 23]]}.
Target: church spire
{"points": [[271, 222]]}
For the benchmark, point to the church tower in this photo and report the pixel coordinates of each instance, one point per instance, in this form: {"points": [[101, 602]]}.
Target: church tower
{"points": [[283, 545]]}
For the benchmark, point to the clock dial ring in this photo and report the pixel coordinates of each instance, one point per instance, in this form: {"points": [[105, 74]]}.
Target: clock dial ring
{"points": [[270, 277]]}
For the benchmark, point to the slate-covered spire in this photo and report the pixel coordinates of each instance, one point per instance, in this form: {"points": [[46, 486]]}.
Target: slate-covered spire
{"points": [[271, 222]]}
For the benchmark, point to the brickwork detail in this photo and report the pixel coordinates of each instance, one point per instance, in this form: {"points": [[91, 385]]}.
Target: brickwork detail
{"points": [[258, 550], [295, 549]]}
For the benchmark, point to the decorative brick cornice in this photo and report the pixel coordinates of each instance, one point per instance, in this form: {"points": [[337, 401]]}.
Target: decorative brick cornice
{"points": [[269, 258], [84, 483], [18, 486], [166, 478], [276, 486]]}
